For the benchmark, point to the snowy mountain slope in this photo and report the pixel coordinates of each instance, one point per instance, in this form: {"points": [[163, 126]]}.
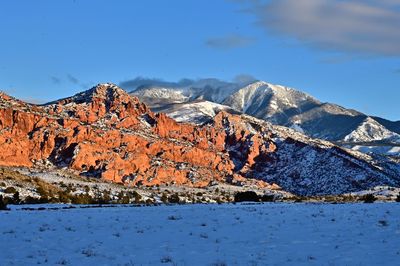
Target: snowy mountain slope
{"points": [[198, 111], [106, 133], [213, 89], [391, 125], [371, 130], [383, 150], [270, 102], [163, 94], [160, 99], [300, 163], [285, 106], [327, 121], [282, 106], [207, 89]]}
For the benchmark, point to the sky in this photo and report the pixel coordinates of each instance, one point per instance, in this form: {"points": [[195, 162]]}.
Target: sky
{"points": [[344, 52]]}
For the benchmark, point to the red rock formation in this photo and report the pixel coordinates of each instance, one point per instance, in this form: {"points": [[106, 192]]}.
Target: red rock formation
{"points": [[107, 133]]}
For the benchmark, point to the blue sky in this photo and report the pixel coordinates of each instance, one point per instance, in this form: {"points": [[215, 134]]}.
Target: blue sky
{"points": [[346, 52]]}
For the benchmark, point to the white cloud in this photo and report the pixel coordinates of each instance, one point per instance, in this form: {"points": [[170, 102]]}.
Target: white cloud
{"points": [[355, 26]]}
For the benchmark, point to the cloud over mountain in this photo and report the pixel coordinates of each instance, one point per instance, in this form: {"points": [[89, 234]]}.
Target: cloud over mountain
{"points": [[132, 84], [354, 26]]}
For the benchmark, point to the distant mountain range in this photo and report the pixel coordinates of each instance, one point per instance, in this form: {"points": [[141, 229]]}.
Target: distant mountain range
{"points": [[200, 101], [106, 133]]}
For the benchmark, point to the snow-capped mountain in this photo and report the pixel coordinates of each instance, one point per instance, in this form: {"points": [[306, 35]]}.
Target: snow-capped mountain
{"points": [[369, 130], [391, 125], [277, 104], [106, 133], [213, 90], [270, 102], [198, 111]]}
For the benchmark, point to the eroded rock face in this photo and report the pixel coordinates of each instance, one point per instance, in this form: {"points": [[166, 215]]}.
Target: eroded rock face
{"points": [[105, 132]]}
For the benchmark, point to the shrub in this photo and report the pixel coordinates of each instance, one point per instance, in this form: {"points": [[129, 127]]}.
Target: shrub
{"points": [[30, 200], [219, 200], [174, 198], [137, 196], [122, 198], [164, 198], [3, 204], [64, 197], [44, 199], [268, 198], [398, 198], [246, 196], [82, 199], [125, 200], [10, 190], [16, 198], [298, 198], [102, 197], [42, 191], [368, 198]]}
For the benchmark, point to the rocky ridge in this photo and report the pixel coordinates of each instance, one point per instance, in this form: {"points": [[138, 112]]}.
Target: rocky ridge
{"points": [[277, 104], [106, 133]]}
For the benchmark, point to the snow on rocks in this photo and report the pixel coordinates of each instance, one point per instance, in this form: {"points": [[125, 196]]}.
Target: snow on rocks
{"points": [[371, 130]]}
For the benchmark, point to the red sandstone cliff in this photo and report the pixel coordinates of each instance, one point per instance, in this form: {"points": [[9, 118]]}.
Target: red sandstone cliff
{"points": [[105, 132]]}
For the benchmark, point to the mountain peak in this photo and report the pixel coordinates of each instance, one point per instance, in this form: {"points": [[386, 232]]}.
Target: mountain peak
{"points": [[269, 101], [369, 130], [102, 100], [106, 133], [106, 91], [4, 96], [102, 88]]}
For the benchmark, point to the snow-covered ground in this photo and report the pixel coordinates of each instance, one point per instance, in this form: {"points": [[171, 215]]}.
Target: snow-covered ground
{"points": [[267, 234], [371, 130], [388, 150]]}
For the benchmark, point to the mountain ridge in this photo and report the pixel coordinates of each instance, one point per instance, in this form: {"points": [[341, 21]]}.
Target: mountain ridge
{"points": [[106, 133], [288, 107]]}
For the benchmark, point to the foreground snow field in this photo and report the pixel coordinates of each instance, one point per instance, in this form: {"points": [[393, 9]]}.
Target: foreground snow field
{"points": [[266, 234]]}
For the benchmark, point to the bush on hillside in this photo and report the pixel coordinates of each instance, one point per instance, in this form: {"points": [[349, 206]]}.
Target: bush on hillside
{"points": [[30, 200], [174, 198], [3, 204], [247, 196], [267, 198], [16, 198], [83, 199], [368, 198], [10, 190], [164, 198]]}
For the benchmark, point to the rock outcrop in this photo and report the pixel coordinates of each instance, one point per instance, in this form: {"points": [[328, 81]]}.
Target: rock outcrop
{"points": [[106, 133]]}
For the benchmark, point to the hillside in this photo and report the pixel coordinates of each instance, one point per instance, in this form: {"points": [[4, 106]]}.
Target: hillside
{"points": [[279, 105], [106, 133]]}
